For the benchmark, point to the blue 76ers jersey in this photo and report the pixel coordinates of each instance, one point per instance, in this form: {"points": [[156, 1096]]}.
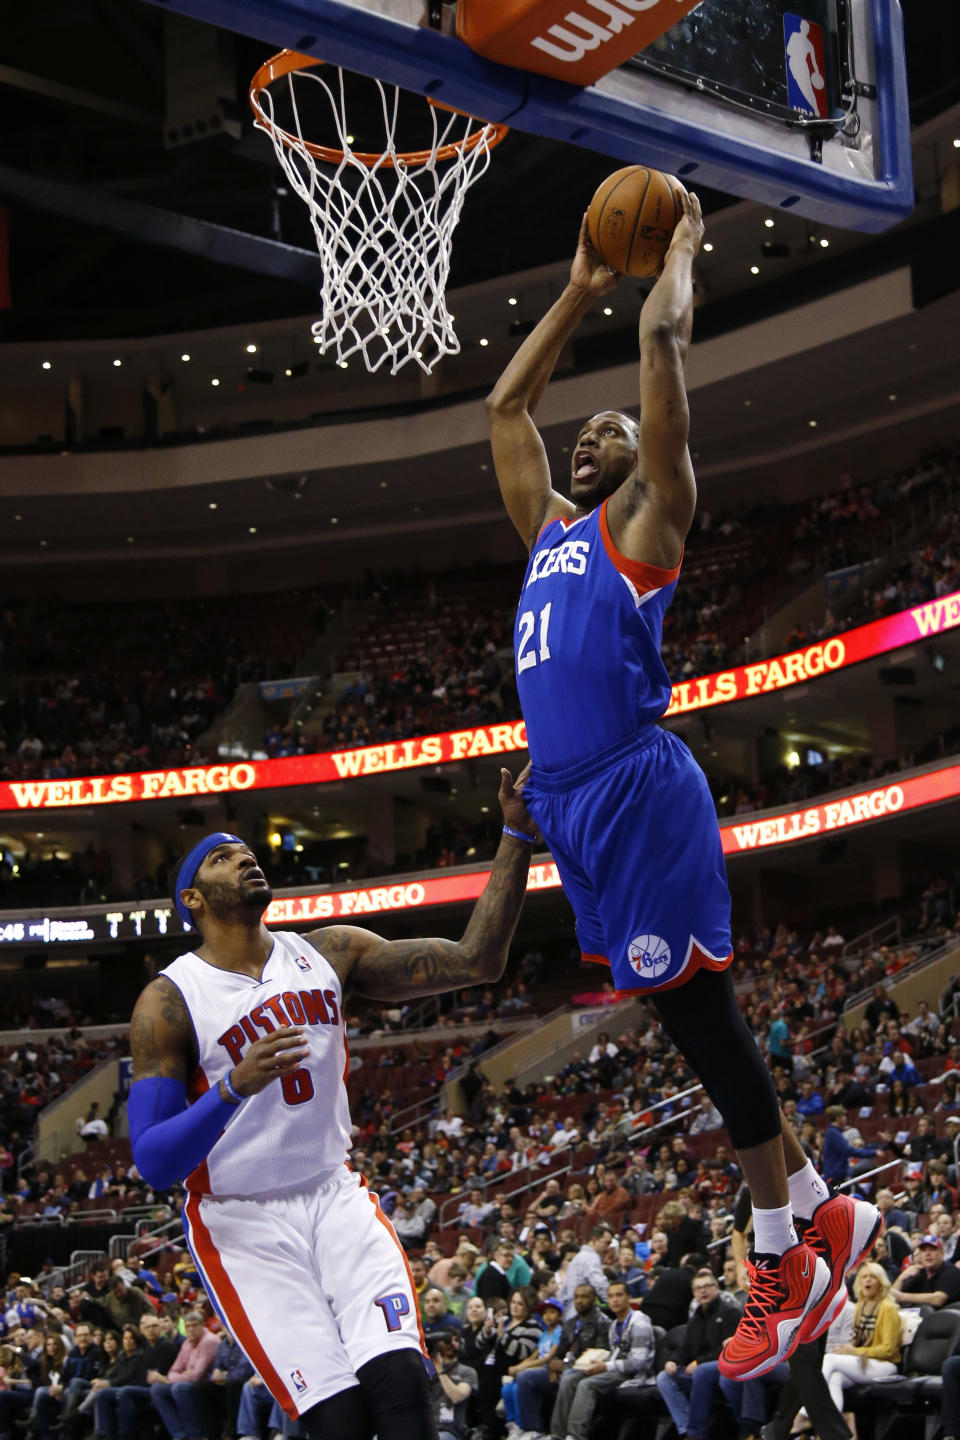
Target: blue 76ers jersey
{"points": [[587, 642]]}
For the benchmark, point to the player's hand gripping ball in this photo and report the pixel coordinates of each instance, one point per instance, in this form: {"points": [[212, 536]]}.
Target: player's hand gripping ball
{"points": [[632, 218]]}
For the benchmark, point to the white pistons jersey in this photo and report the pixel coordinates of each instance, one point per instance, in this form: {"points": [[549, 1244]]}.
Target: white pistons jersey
{"points": [[296, 1131]]}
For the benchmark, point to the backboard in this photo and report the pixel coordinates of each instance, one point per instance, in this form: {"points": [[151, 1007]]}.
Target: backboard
{"points": [[800, 104]]}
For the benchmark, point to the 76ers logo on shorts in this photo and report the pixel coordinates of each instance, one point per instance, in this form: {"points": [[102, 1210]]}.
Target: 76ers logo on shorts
{"points": [[299, 1384], [649, 956]]}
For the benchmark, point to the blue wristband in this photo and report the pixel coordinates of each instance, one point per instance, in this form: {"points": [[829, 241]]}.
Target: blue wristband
{"points": [[519, 835], [235, 1094]]}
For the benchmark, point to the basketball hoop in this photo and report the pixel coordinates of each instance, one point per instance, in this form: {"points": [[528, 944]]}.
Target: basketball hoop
{"points": [[383, 221]]}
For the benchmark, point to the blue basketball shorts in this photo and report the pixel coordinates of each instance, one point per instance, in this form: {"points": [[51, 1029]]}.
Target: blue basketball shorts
{"points": [[634, 835]]}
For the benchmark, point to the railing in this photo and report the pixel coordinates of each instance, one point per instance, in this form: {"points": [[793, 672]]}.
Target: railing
{"points": [[888, 932], [519, 1190], [413, 1114], [532, 1022], [869, 1174]]}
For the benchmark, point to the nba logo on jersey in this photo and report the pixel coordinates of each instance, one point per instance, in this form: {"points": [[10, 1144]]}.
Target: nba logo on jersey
{"points": [[299, 1384], [806, 76], [649, 956], [303, 962]]}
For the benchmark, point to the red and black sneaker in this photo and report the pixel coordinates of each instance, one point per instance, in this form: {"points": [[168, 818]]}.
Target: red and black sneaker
{"points": [[841, 1232], [783, 1291]]}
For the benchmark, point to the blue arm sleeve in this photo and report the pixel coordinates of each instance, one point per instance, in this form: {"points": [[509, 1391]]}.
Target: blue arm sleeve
{"points": [[168, 1136]]}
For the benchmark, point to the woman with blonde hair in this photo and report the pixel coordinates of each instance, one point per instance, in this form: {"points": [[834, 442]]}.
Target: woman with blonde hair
{"points": [[874, 1353]]}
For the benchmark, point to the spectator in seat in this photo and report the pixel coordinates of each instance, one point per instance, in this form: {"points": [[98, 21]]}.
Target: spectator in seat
{"points": [[708, 1117], [92, 1126], [930, 1281], [49, 1376], [689, 1383], [124, 1364], [61, 1400], [809, 1101], [585, 1330], [586, 1267], [875, 1351], [476, 1210], [629, 1271], [511, 1339], [123, 1405], [95, 1295], [881, 1007], [218, 1396], [126, 1305], [522, 1420], [409, 1224], [474, 1332], [684, 1235], [926, 1145], [611, 1204], [174, 1394], [915, 1200], [418, 1270], [631, 1343], [256, 1404], [492, 1279], [453, 1386], [837, 1150], [667, 1302], [435, 1315], [939, 1189], [16, 1393]]}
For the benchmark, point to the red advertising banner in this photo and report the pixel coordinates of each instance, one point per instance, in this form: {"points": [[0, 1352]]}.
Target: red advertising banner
{"points": [[242, 775], [741, 683], [879, 803], [799, 666], [149, 919], [408, 895]]}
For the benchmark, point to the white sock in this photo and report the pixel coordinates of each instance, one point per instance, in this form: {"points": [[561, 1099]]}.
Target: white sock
{"points": [[807, 1190], [773, 1230]]}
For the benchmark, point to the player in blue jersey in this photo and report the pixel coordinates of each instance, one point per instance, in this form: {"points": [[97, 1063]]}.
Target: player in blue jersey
{"points": [[623, 805]]}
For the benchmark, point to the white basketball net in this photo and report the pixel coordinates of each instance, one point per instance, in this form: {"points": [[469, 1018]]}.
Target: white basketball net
{"points": [[384, 231]]}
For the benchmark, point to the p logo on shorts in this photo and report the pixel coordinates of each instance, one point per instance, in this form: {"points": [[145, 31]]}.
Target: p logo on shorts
{"points": [[393, 1307], [649, 955]]}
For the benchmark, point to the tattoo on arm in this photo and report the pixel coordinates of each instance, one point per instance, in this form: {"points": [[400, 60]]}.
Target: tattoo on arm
{"points": [[398, 969], [162, 1041]]}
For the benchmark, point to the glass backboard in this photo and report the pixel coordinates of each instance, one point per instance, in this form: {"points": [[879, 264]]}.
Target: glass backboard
{"points": [[801, 104]]}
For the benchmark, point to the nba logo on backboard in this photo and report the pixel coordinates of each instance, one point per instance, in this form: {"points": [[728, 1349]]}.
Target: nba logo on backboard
{"points": [[806, 76], [303, 962], [299, 1384], [649, 956]]}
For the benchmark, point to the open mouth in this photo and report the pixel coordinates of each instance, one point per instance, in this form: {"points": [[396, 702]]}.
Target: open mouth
{"points": [[256, 875], [584, 465]]}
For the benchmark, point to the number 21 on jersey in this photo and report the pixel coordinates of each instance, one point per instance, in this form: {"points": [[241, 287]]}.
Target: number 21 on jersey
{"points": [[528, 623]]}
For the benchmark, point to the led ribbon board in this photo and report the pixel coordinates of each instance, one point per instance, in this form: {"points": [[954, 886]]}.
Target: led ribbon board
{"points": [[797, 667], [155, 919]]}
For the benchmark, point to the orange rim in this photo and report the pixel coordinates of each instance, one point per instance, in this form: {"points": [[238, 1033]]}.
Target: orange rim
{"points": [[286, 62]]}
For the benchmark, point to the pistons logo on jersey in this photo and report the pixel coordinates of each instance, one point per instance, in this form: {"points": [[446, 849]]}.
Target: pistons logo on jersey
{"points": [[300, 1007], [650, 956]]}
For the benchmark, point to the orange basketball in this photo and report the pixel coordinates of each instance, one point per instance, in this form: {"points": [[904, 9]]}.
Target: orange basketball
{"points": [[632, 218]]}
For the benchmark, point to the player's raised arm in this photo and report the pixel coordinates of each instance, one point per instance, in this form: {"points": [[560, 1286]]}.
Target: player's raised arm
{"points": [[519, 457], [400, 969], [666, 324]]}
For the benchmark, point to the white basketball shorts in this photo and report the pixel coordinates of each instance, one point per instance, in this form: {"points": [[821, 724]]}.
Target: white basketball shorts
{"points": [[312, 1284]]}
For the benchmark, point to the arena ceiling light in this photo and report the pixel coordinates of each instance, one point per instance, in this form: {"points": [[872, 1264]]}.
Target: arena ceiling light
{"points": [[117, 364], [46, 365], [185, 357], [251, 349], [709, 247]]}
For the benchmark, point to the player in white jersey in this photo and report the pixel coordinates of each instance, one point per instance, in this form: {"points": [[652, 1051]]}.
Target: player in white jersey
{"points": [[240, 1060]]}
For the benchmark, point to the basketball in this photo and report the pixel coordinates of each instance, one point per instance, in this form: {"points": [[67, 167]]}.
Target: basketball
{"points": [[632, 217]]}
